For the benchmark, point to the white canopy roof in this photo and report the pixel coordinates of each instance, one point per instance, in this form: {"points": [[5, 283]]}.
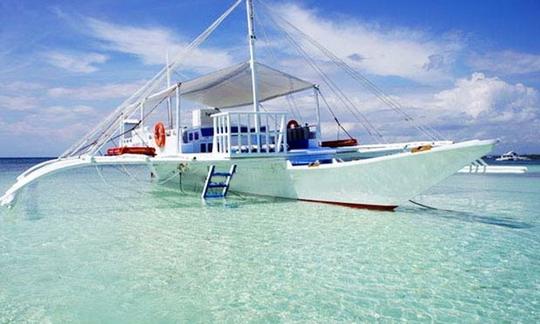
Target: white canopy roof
{"points": [[231, 87]]}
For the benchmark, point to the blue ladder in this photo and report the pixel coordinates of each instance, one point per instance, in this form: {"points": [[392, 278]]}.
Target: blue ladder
{"points": [[209, 185]]}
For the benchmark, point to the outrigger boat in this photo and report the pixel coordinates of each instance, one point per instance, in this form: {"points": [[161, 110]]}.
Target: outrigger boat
{"points": [[256, 152]]}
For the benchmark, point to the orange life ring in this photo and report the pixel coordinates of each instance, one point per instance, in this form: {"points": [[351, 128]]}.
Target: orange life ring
{"points": [[292, 124], [159, 134]]}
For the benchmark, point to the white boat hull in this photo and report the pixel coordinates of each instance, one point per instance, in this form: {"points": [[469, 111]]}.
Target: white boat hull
{"points": [[380, 183]]}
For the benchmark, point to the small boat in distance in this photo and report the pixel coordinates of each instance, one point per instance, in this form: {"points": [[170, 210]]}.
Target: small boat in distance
{"points": [[266, 153], [511, 156]]}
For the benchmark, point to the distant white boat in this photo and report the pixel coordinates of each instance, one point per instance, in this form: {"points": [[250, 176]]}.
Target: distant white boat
{"points": [[511, 156], [268, 153]]}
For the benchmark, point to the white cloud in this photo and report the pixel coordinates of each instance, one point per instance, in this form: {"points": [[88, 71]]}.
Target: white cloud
{"points": [[80, 62], [18, 103], [399, 51], [477, 106], [506, 62], [152, 44], [60, 123], [489, 98], [96, 92], [21, 86], [68, 112]]}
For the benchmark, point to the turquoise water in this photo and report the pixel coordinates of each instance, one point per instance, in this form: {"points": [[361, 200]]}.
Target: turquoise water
{"points": [[79, 248]]}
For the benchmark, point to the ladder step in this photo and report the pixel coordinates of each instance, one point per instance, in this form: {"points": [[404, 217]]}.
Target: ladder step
{"points": [[208, 195], [217, 185], [222, 174], [208, 184]]}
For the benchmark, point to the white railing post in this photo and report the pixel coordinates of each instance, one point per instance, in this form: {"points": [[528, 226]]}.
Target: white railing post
{"points": [[267, 135], [214, 138], [229, 131], [284, 131], [280, 136], [276, 132], [222, 134], [239, 131], [249, 133]]}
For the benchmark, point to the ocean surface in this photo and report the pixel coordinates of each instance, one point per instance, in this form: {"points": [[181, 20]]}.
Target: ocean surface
{"points": [[80, 247]]}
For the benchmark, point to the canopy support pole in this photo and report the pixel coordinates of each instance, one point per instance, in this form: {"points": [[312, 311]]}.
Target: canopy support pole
{"points": [[169, 103], [252, 38], [177, 122], [318, 112]]}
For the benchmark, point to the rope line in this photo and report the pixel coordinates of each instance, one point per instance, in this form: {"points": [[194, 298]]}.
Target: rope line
{"points": [[334, 115], [380, 94], [370, 129], [102, 132]]}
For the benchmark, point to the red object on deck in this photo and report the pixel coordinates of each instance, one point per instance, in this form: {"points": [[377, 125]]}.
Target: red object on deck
{"points": [[160, 134], [340, 143], [132, 150]]}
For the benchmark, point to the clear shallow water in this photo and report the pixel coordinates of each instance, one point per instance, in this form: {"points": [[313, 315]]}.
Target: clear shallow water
{"points": [[76, 248]]}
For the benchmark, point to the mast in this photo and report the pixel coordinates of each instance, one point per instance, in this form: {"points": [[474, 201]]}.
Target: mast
{"points": [[252, 38]]}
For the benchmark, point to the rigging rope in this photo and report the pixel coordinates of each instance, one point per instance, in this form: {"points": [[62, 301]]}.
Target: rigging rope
{"points": [[381, 95], [135, 126], [128, 107], [334, 115], [289, 97], [371, 130]]}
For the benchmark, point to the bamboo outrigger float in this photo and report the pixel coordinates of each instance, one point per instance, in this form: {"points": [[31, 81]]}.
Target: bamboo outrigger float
{"points": [[271, 154]]}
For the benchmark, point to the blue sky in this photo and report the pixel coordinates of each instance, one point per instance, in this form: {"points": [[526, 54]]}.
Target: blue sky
{"points": [[469, 69]]}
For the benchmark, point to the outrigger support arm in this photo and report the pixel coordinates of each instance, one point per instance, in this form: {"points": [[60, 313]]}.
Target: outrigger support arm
{"points": [[62, 164]]}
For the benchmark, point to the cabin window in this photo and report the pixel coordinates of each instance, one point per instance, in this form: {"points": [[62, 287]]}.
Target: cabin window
{"points": [[207, 131], [203, 148], [196, 135], [210, 145], [190, 136], [184, 137]]}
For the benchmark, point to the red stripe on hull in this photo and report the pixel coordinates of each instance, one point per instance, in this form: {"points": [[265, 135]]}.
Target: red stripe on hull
{"points": [[351, 205]]}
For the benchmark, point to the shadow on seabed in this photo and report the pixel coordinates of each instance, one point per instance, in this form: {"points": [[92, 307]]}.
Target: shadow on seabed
{"points": [[464, 216]]}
